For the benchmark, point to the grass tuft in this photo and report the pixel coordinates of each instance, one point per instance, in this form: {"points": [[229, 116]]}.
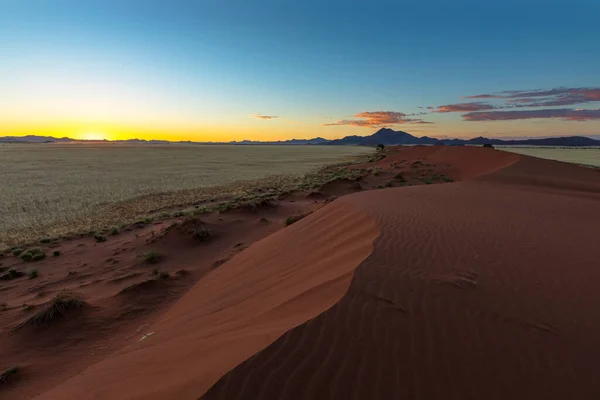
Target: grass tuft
{"points": [[34, 273], [152, 257], [163, 275], [11, 274], [293, 219], [58, 307]]}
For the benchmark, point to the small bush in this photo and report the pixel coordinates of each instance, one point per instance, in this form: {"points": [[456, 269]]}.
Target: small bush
{"points": [[34, 273], [17, 252], [488, 146], [400, 178], [151, 257], [201, 233], [11, 274], [56, 253], [45, 240], [389, 184], [99, 238], [33, 254], [163, 275], [375, 171], [113, 231], [144, 221], [293, 219]]}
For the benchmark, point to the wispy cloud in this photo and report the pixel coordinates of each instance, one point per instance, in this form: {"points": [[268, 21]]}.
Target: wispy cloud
{"points": [[484, 96], [544, 97], [464, 107], [566, 114], [259, 116], [375, 119]]}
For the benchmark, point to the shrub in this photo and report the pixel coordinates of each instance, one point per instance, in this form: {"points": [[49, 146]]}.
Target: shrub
{"points": [[380, 148], [400, 178], [56, 253], [293, 219], [113, 231], [488, 146], [33, 274], [11, 274], [33, 254], [163, 275], [45, 240], [99, 238], [201, 233], [17, 252], [151, 257]]}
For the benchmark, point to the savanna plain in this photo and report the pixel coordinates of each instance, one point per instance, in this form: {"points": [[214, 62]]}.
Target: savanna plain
{"points": [[58, 189]]}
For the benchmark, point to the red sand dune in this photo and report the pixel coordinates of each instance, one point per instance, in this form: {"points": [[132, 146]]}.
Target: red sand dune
{"points": [[486, 288]]}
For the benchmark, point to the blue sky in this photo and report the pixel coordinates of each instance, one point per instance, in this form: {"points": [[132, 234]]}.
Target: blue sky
{"points": [[205, 69]]}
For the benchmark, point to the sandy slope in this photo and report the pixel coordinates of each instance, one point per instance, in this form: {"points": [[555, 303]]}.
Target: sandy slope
{"points": [[480, 289], [237, 310]]}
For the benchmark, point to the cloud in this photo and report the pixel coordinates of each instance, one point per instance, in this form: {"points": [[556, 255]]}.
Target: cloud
{"points": [[464, 107], [485, 96], [545, 98], [567, 114], [374, 119], [259, 116]]}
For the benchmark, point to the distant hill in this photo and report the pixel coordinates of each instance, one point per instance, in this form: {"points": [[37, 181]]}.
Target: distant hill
{"points": [[33, 139], [389, 136], [384, 136]]}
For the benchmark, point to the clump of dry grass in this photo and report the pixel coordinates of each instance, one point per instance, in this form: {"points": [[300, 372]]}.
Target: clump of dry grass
{"points": [[57, 309], [294, 218]]}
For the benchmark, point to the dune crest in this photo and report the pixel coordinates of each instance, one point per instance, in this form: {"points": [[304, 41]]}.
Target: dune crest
{"points": [[243, 306]]}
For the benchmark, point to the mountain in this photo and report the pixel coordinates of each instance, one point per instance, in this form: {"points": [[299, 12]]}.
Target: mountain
{"points": [[384, 136], [389, 136], [34, 139]]}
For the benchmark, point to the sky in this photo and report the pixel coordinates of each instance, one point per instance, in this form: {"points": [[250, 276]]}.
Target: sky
{"points": [[215, 70]]}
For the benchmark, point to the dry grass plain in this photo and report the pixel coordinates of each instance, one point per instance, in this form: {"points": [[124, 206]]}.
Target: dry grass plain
{"points": [[576, 155], [58, 189]]}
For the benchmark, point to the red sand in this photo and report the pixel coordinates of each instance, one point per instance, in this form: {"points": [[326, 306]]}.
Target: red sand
{"points": [[480, 289]]}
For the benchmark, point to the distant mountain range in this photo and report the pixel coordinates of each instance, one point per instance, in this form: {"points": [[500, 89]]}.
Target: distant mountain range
{"points": [[390, 137], [384, 136]]}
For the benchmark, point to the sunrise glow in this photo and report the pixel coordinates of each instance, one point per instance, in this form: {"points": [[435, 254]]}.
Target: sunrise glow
{"points": [[73, 69]]}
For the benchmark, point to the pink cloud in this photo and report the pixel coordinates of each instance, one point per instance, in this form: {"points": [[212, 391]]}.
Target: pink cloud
{"points": [[374, 119], [566, 114], [259, 116], [545, 98], [464, 107]]}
